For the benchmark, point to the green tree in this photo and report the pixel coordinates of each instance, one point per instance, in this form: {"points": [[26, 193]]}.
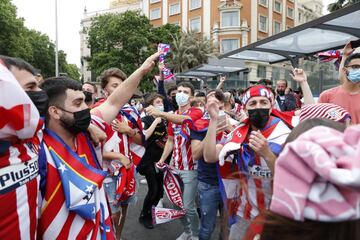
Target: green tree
{"points": [[13, 39], [125, 40], [190, 50], [34, 47], [341, 4]]}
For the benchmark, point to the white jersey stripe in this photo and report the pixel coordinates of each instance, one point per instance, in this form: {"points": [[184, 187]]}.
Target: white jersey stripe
{"points": [[76, 227], [57, 224], [23, 211]]}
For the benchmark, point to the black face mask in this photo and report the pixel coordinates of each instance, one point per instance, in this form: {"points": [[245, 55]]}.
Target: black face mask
{"points": [[40, 100], [88, 97], [280, 92], [259, 117], [80, 123]]}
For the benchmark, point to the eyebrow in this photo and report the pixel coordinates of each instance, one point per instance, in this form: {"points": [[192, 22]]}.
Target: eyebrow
{"points": [[31, 84], [78, 99]]}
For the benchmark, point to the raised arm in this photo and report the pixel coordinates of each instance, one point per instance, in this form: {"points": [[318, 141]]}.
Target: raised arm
{"points": [[110, 108], [211, 150], [161, 90], [221, 82], [300, 77]]}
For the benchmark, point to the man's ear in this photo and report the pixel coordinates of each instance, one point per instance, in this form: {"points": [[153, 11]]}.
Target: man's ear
{"points": [[54, 112]]}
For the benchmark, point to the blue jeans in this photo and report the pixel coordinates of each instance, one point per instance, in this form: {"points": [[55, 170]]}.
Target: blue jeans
{"points": [[210, 200], [191, 220]]}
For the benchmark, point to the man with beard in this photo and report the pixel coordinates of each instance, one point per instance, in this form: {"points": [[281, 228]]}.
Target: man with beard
{"points": [[286, 102], [247, 158]]}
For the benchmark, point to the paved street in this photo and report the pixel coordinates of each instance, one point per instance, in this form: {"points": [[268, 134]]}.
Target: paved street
{"points": [[133, 230]]}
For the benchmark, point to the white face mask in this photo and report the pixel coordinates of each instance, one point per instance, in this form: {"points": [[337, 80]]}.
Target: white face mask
{"points": [[182, 99], [159, 107]]}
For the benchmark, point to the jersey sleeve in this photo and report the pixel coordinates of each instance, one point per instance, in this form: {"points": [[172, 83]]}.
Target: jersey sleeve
{"points": [[170, 129], [324, 97], [195, 114], [19, 116]]}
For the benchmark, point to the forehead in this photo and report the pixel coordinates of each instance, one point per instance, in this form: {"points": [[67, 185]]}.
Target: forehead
{"points": [[355, 61], [258, 99], [281, 82], [24, 77], [113, 80], [72, 95], [181, 88], [88, 86]]}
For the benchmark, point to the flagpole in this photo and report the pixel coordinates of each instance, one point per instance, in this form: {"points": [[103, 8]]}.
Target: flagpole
{"points": [[56, 42]]}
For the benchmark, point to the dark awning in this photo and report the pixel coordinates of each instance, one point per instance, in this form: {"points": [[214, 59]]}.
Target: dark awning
{"points": [[331, 31]]}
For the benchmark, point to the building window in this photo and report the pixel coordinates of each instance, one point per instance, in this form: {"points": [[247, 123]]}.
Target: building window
{"points": [[155, 13], [275, 73], [195, 25], [230, 19], [290, 12], [154, 1], [174, 9], [229, 45], [261, 71], [277, 6], [194, 4], [262, 23], [263, 3], [277, 27]]}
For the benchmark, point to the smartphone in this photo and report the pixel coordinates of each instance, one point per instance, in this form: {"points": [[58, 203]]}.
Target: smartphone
{"points": [[355, 43]]}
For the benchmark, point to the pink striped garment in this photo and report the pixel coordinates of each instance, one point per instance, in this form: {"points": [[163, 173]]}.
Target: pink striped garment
{"points": [[317, 176]]}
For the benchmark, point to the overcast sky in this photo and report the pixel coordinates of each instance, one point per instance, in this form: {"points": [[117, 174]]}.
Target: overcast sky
{"points": [[40, 15]]}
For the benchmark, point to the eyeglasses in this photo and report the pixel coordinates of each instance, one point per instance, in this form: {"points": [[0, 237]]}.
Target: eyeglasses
{"points": [[355, 66]]}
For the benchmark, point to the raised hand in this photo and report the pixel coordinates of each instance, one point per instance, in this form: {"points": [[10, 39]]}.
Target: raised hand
{"points": [[149, 63], [348, 49], [213, 109], [298, 75]]}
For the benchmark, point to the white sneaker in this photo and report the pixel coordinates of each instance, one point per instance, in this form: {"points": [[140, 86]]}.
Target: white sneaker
{"points": [[160, 204], [184, 236], [143, 181]]}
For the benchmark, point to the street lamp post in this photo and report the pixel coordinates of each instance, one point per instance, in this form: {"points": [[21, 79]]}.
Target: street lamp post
{"points": [[56, 42]]}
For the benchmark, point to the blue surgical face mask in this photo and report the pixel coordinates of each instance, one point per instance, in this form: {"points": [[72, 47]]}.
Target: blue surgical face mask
{"points": [[354, 75], [159, 107], [182, 99]]}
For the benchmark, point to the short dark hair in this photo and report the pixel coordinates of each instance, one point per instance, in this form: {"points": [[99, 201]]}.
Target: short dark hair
{"points": [[92, 84], [264, 82], [171, 89], [350, 58], [187, 85], [200, 94], [111, 72], [56, 87], [219, 95], [19, 63]]}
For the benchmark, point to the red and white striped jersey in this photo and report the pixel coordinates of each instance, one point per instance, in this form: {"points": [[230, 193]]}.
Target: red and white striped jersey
{"points": [[74, 204], [247, 184], [182, 154], [20, 136]]}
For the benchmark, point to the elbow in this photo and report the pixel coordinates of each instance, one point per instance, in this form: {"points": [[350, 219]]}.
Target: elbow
{"points": [[209, 158]]}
